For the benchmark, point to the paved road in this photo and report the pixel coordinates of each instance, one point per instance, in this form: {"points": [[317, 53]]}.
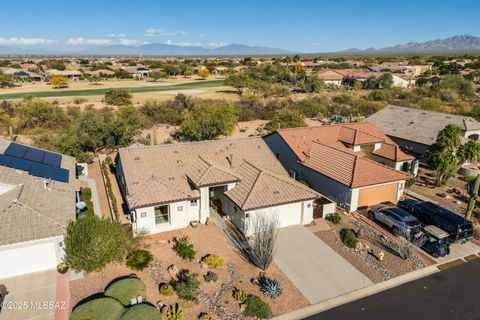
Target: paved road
{"points": [[316, 269], [448, 295]]}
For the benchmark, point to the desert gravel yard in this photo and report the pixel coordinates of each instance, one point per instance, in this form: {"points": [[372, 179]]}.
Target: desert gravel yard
{"points": [[207, 239], [316, 269], [377, 271]]}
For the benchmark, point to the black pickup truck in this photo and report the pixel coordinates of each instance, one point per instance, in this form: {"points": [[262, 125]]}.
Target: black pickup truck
{"points": [[459, 228]]}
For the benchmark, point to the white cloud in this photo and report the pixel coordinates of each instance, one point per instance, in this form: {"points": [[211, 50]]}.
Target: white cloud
{"points": [[84, 41], [317, 44], [129, 42], [217, 44], [152, 32], [25, 41], [183, 44], [116, 35]]}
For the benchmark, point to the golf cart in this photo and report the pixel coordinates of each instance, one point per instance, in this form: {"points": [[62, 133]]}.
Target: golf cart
{"points": [[436, 243]]}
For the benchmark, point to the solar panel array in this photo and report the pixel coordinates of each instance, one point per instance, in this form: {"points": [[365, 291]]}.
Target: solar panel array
{"points": [[36, 162]]}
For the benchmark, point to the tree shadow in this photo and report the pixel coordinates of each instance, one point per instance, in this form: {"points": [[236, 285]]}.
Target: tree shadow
{"points": [[89, 298]]}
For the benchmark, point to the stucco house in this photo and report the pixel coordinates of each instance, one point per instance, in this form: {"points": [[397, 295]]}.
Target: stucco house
{"points": [[415, 130], [354, 164], [38, 192], [168, 186], [403, 80], [330, 77]]}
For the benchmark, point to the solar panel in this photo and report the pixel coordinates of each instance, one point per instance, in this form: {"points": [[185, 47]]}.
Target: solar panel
{"points": [[21, 164], [16, 150], [34, 154], [43, 171], [52, 159]]}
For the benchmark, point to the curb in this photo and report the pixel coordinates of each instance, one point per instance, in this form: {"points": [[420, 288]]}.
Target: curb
{"points": [[357, 294]]}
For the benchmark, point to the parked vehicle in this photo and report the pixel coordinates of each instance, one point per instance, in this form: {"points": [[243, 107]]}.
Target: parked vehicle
{"points": [[436, 242], [459, 228], [398, 220]]}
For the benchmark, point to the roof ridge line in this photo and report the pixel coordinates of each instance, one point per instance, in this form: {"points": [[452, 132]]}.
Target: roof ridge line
{"points": [[40, 213], [253, 184], [354, 168], [326, 145]]}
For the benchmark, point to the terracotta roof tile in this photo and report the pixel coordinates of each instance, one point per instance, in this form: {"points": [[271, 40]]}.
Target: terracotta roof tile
{"points": [[324, 149]]}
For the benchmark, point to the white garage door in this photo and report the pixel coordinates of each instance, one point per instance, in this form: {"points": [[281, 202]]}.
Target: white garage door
{"points": [[29, 259]]}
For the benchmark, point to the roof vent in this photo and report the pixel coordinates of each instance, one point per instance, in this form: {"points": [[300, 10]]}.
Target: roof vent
{"points": [[179, 161], [137, 158]]}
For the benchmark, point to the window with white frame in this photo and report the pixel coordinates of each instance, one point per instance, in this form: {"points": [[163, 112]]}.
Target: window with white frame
{"points": [[162, 214]]}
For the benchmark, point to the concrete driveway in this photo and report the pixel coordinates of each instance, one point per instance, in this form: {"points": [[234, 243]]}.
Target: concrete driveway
{"points": [[314, 268], [27, 295]]}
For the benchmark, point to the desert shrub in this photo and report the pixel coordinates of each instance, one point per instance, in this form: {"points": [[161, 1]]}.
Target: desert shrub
{"points": [[210, 277], [78, 100], [476, 232], [139, 259], [184, 249], [255, 307], [187, 286], [141, 311], [334, 218], [349, 238], [204, 316], [286, 118], [91, 243], [118, 97], [270, 287], [175, 312], [124, 290], [410, 182], [101, 308], [167, 290], [240, 296], [213, 260]]}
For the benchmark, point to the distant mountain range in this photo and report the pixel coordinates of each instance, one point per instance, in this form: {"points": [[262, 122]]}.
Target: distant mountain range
{"points": [[153, 49], [460, 43]]}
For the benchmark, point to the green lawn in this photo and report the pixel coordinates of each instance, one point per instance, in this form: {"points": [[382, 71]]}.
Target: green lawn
{"points": [[99, 92]]}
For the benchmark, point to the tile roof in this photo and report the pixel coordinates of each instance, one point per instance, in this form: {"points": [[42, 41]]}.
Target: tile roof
{"points": [[167, 173], [30, 211], [418, 125], [325, 150]]}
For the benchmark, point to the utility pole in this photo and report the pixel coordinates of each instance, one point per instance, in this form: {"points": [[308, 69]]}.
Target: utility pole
{"points": [[473, 198]]}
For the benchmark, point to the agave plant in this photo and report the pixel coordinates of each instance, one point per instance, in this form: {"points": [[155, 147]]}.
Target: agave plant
{"points": [[270, 287]]}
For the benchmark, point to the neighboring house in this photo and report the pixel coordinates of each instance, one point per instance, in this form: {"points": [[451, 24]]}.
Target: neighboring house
{"points": [[330, 77], [403, 80], [69, 74], [138, 72], [168, 186], [38, 192], [22, 74], [415, 130], [354, 164]]}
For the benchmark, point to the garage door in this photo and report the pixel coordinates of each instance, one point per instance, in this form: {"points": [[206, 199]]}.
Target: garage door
{"points": [[376, 195], [24, 260]]}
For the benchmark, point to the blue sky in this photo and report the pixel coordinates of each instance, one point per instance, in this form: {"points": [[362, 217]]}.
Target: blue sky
{"points": [[303, 26]]}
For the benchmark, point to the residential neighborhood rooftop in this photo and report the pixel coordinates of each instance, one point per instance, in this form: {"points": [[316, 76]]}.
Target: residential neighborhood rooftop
{"points": [[34, 208], [167, 173], [328, 150], [418, 125]]}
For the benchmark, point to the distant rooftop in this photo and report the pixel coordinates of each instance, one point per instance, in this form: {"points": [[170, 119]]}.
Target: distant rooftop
{"points": [[418, 125]]}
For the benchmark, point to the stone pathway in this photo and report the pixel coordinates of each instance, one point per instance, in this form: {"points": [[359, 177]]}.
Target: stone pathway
{"points": [[214, 303]]}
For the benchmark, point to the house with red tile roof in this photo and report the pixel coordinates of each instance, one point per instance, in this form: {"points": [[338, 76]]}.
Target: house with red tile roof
{"points": [[354, 164]]}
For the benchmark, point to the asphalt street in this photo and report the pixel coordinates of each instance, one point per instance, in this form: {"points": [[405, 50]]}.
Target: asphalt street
{"points": [[451, 294]]}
